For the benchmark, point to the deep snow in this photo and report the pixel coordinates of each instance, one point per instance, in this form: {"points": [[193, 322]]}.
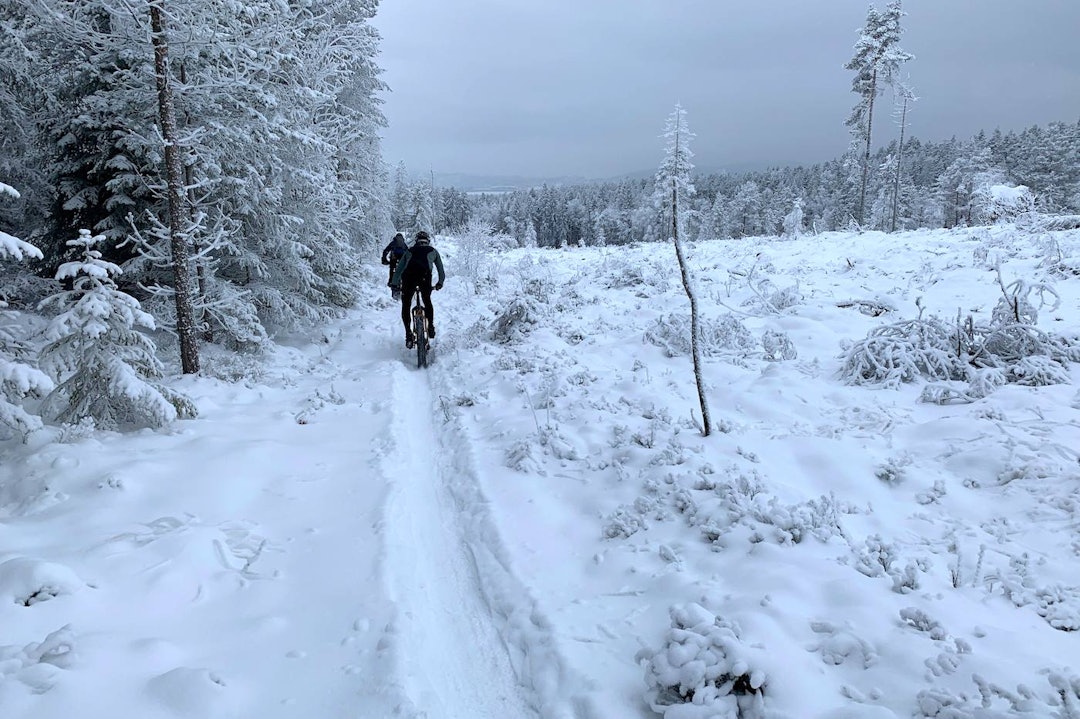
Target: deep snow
{"points": [[511, 532]]}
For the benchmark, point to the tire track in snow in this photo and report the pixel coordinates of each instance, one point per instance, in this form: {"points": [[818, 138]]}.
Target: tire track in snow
{"points": [[453, 662]]}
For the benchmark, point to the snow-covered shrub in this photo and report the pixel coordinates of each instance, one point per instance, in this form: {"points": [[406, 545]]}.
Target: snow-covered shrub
{"points": [[704, 671], [31, 663], [1001, 203], [104, 365], [991, 700], [723, 336], [29, 581], [947, 393], [1059, 605], [516, 319], [1017, 304], [891, 361], [18, 379], [623, 273], [1037, 371], [1007, 349], [893, 470], [473, 258], [770, 299], [777, 346]]}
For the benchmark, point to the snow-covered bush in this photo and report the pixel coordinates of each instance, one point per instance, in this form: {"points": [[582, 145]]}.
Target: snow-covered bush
{"points": [[723, 336], [902, 352], [105, 366], [770, 299], [622, 273], [515, 320], [1001, 203], [18, 379], [986, 355], [475, 246], [777, 346], [703, 671]]}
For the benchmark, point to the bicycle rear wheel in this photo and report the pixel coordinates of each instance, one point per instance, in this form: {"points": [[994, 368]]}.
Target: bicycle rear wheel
{"points": [[420, 331]]}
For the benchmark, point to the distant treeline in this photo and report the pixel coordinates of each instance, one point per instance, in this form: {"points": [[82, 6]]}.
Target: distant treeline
{"points": [[937, 186]]}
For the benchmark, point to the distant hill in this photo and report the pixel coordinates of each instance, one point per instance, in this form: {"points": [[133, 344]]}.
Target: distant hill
{"points": [[499, 183], [509, 183]]}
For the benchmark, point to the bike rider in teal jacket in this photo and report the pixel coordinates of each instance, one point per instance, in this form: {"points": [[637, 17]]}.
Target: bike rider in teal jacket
{"points": [[414, 275]]}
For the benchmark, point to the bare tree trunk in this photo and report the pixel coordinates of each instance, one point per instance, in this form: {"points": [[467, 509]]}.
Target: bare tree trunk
{"points": [[695, 349], [174, 178], [899, 159], [866, 153]]}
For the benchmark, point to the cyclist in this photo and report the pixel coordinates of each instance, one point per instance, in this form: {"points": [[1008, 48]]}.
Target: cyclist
{"points": [[392, 253], [414, 275]]}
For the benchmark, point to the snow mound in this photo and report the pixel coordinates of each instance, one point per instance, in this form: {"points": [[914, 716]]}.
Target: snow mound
{"points": [[30, 581]]}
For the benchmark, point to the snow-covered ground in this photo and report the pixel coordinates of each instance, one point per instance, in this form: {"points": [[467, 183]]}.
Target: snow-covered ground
{"points": [[514, 531]]}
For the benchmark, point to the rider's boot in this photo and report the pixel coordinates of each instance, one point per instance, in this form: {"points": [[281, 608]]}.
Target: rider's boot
{"points": [[410, 340], [431, 330]]}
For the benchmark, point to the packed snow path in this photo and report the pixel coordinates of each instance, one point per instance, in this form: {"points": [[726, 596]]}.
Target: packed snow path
{"points": [[455, 665], [293, 552]]}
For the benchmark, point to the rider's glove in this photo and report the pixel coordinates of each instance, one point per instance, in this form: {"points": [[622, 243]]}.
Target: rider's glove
{"points": [[438, 286], [385, 261]]}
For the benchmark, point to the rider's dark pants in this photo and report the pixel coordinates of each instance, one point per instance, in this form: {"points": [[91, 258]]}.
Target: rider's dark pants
{"points": [[390, 279], [407, 294]]}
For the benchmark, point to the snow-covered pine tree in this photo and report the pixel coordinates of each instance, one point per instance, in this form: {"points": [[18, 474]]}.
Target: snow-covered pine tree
{"points": [[905, 96], [18, 380], [672, 185], [105, 367], [876, 63]]}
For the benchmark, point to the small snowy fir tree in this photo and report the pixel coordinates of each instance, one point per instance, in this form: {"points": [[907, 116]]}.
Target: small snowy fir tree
{"points": [[104, 365], [673, 183], [793, 221], [18, 380]]}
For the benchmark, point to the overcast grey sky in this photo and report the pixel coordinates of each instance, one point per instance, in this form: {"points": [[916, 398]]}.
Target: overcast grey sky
{"points": [[583, 87]]}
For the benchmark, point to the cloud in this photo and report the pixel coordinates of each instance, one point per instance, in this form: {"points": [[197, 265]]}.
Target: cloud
{"points": [[568, 87]]}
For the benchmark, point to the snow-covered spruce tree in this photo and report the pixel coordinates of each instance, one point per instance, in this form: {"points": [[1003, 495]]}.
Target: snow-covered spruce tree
{"points": [[876, 63], [105, 367], [91, 118], [18, 380], [672, 184], [793, 221], [401, 198], [296, 179]]}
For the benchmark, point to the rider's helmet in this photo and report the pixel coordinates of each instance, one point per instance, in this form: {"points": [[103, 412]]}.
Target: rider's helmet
{"points": [[423, 238]]}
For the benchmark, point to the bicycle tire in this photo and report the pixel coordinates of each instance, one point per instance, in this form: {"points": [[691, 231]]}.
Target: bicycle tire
{"points": [[420, 331]]}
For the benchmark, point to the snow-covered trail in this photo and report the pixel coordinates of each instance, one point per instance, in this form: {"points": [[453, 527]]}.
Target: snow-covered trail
{"points": [[454, 664], [315, 543]]}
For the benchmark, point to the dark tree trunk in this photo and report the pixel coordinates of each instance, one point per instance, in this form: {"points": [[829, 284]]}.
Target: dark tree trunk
{"points": [[174, 178], [866, 153]]}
